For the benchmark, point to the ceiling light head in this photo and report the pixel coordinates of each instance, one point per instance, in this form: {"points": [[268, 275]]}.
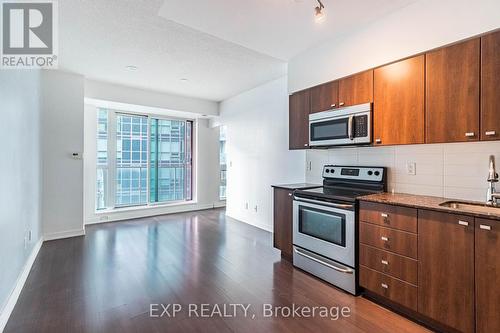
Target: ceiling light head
{"points": [[131, 68], [319, 14]]}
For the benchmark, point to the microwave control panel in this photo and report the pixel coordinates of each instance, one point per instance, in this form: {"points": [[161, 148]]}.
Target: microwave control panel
{"points": [[360, 126]]}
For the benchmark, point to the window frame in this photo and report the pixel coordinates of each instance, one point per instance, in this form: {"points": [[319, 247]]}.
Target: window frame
{"points": [[112, 162]]}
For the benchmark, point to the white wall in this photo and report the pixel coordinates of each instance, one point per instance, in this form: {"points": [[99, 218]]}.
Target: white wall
{"points": [[116, 93], [206, 176], [421, 26], [257, 151], [62, 134], [452, 170], [21, 178]]}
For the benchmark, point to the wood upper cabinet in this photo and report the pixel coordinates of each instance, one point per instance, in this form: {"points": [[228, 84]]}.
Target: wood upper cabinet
{"points": [[487, 242], [398, 103], [299, 109], [452, 93], [490, 87], [283, 215], [356, 89], [324, 97], [446, 268]]}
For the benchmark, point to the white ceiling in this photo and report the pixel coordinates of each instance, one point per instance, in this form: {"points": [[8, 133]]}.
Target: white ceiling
{"points": [[223, 47], [279, 28]]}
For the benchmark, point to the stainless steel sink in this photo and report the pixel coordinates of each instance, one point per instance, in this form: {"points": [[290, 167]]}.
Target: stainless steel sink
{"points": [[471, 207]]}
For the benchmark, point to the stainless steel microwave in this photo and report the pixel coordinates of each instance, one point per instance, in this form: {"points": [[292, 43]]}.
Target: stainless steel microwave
{"points": [[345, 126]]}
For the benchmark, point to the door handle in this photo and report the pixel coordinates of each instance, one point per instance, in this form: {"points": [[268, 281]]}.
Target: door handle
{"points": [[484, 227], [339, 269], [384, 262], [490, 133], [469, 134], [341, 104], [464, 223], [385, 239], [350, 130]]}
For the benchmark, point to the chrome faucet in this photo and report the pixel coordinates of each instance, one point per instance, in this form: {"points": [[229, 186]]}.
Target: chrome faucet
{"points": [[492, 196]]}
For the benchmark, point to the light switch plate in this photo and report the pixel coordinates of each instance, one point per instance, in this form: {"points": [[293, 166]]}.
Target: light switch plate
{"points": [[411, 168]]}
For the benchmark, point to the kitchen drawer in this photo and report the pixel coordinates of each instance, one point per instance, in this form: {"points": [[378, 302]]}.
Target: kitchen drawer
{"points": [[392, 240], [402, 218], [397, 266], [393, 289]]}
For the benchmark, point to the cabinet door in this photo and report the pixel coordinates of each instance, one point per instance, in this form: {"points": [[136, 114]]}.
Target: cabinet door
{"points": [[490, 87], [356, 89], [398, 103], [283, 215], [299, 120], [446, 268], [487, 275], [324, 97], [452, 93]]}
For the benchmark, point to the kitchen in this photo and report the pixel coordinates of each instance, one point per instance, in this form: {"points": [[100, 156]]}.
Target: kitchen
{"points": [[430, 258]]}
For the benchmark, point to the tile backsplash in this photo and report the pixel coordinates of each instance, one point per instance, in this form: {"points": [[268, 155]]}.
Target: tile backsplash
{"points": [[451, 170]]}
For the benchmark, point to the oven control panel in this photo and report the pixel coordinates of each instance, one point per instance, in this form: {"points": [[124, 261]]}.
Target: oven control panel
{"points": [[358, 173]]}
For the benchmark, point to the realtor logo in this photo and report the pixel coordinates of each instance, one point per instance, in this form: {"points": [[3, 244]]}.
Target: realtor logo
{"points": [[29, 34]]}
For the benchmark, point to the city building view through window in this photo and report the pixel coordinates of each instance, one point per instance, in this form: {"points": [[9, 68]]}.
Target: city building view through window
{"points": [[153, 160]]}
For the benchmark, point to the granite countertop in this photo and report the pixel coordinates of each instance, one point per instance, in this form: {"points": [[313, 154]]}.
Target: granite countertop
{"points": [[426, 202], [299, 186]]}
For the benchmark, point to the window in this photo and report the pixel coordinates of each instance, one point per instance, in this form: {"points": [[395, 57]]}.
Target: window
{"points": [[223, 165], [147, 159], [170, 167], [131, 160], [102, 160]]}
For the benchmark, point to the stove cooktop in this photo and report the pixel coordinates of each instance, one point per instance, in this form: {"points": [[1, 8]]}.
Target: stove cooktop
{"points": [[347, 183]]}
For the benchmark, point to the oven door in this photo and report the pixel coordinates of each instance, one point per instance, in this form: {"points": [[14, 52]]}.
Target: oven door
{"points": [[325, 228]]}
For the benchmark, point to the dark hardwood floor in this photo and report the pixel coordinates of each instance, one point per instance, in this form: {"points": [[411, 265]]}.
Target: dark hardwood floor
{"points": [[106, 281]]}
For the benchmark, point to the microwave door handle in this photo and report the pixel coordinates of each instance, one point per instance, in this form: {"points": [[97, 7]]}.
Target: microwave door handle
{"points": [[350, 129]]}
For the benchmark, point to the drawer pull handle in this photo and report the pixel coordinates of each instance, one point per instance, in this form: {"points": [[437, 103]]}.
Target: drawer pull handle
{"points": [[385, 286], [490, 133], [469, 134], [378, 140], [484, 227], [289, 194], [384, 215], [384, 262], [333, 105], [385, 239], [341, 103], [464, 223]]}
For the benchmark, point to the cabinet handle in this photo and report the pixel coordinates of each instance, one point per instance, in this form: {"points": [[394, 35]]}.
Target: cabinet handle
{"points": [[490, 133], [484, 227], [469, 134], [341, 103], [385, 239], [333, 105], [289, 194], [384, 215], [464, 223], [378, 140], [306, 145], [384, 285], [384, 262]]}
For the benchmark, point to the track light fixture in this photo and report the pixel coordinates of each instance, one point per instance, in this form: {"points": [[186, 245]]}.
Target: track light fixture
{"points": [[319, 15]]}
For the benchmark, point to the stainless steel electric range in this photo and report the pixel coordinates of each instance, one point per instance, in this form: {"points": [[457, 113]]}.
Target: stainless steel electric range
{"points": [[325, 224]]}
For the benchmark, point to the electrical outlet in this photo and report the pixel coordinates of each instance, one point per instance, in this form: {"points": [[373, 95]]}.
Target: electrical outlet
{"points": [[411, 168], [104, 218]]}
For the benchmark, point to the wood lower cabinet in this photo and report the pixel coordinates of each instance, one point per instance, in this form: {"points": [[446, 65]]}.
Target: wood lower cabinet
{"points": [[299, 109], [398, 102], [283, 216], [452, 93], [487, 270], [356, 89], [490, 87], [396, 217], [446, 269], [324, 97]]}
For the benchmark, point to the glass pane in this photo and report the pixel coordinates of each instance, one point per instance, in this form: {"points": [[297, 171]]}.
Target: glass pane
{"points": [[223, 166], [102, 160], [327, 130], [170, 160], [322, 224], [131, 160]]}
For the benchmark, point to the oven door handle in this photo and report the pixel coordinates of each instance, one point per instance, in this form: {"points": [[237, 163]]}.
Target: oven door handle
{"points": [[324, 203], [335, 267]]}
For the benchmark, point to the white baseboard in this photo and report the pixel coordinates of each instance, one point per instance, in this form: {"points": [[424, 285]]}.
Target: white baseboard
{"points": [[64, 234], [21, 280]]}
